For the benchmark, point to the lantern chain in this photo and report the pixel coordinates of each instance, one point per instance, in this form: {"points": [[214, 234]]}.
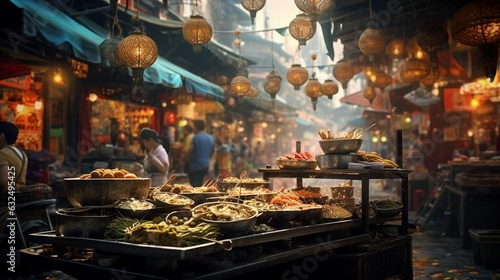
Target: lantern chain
{"points": [[116, 24]]}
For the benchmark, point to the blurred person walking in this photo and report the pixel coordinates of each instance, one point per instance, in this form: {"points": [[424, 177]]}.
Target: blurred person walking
{"points": [[156, 162], [200, 152]]}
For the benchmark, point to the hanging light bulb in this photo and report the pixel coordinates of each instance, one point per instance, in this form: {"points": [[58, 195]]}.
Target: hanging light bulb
{"points": [[92, 97], [329, 88], [297, 76], [197, 31], [343, 72], [302, 28], [253, 6], [314, 8]]}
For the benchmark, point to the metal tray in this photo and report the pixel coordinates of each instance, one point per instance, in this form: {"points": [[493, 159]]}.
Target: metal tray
{"points": [[180, 253]]}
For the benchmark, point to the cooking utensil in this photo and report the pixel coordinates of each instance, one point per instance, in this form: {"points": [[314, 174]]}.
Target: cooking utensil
{"points": [[331, 161], [216, 181], [242, 175], [340, 146], [75, 225]]}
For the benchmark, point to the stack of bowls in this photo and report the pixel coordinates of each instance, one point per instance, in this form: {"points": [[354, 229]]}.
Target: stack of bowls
{"points": [[338, 153]]}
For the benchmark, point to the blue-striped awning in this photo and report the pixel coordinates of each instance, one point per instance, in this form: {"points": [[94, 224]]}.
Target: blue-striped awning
{"points": [[59, 29]]}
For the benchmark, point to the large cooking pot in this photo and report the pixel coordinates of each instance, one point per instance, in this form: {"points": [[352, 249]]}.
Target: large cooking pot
{"points": [[88, 224], [102, 191]]}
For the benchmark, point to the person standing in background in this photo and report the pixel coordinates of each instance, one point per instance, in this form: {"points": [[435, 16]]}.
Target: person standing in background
{"points": [[200, 153], [156, 163], [187, 133]]}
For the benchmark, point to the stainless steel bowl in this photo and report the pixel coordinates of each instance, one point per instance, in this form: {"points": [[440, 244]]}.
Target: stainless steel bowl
{"points": [[330, 161], [102, 191], [296, 164], [340, 146], [86, 225]]}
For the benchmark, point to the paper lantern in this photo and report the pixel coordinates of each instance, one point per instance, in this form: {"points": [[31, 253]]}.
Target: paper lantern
{"points": [[197, 31], [314, 8], [302, 28], [329, 88], [414, 70], [372, 42], [272, 84], [343, 72], [313, 90], [138, 52], [253, 6], [369, 93], [240, 85], [297, 76]]}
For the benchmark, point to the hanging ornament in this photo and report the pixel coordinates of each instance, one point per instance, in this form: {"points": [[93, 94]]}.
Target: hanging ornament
{"points": [[297, 76], [313, 90], [430, 79], [240, 85], [197, 31], [369, 93], [380, 80], [329, 88], [109, 47], [413, 50], [314, 8], [272, 84], [343, 72], [477, 24], [431, 40], [253, 6], [414, 70], [302, 28], [372, 42], [395, 48]]}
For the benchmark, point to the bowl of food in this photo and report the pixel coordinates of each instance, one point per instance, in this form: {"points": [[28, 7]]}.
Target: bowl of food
{"points": [[87, 224], [387, 207], [296, 164], [229, 216], [172, 200], [334, 161], [340, 145], [102, 191], [134, 208]]}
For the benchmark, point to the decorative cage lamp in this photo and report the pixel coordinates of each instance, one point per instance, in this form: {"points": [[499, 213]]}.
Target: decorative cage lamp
{"points": [[253, 6], [478, 24], [138, 52], [313, 90], [297, 76], [197, 31], [431, 40], [430, 79], [369, 93], [380, 80], [109, 50], [314, 8], [395, 48], [240, 85], [343, 72], [372, 42], [302, 28], [413, 70], [329, 88], [413, 50], [252, 93], [272, 84]]}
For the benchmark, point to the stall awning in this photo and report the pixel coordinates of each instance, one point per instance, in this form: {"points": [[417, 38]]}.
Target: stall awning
{"points": [[59, 29]]}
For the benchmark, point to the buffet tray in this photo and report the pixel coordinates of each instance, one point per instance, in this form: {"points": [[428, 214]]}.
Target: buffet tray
{"points": [[179, 253]]}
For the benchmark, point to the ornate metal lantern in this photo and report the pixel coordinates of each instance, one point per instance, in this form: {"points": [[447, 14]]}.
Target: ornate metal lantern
{"points": [[197, 31], [313, 90], [380, 80], [414, 70], [369, 93], [302, 28], [395, 48], [430, 79], [329, 88], [372, 42], [314, 8], [413, 50], [138, 52], [432, 40], [272, 84], [477, 24], [252, 93], [109, 50], [253, 6], [297, 76], [343, 72], [240, 85]]}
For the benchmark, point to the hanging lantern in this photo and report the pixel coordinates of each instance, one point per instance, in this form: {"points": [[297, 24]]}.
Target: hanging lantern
{"points": [[197, 31], [380, 80], [343, 72], [272, 84], [329, 88], [240, 85], [369, 93], [253, 6], [109, 50], [222, 80], [138, 52], [313, 90], [477, 24], [302, 28], [252, 93], [314, 8], [413, 50], [430, 79], [431, 40], [395, 48], [372, 42], [297, 76], [414, 70]]}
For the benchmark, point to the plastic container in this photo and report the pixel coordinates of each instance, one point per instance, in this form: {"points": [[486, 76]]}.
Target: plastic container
{"points": [[486, 247]]}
